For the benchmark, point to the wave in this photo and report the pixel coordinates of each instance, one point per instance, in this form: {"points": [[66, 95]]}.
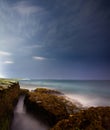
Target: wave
{"points": [[89, 100]]}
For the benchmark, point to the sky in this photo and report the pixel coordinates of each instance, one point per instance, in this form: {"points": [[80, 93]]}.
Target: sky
{"points": [[55, 39]]}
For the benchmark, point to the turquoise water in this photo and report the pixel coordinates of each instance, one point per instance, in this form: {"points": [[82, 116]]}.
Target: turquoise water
{"points": [[87, 92]]}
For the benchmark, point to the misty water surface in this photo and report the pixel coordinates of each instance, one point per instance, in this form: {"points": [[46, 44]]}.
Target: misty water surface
{"points": [[23, 121]]}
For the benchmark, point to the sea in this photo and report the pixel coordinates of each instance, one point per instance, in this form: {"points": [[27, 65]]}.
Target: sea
{"points": [[86, 92]]}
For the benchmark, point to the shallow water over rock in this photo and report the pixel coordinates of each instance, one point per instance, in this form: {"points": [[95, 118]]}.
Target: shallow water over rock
{"points": [[24, 121]]}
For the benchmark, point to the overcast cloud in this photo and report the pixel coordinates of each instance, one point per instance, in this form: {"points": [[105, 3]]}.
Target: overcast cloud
{"points": [[55, 39]]}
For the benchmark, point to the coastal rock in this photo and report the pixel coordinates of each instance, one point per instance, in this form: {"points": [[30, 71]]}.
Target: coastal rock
{"points": [[90, 119], [53, 108], [23, 91], [49, 105], [9, 93]]}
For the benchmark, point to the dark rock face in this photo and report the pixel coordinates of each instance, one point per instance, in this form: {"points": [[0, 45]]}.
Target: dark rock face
{"points": [[94, 118], [49, 105], [23, 91], [52, 107], [9, 93]]}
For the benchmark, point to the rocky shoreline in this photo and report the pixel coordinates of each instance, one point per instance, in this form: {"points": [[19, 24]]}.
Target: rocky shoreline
{"points": [[52, 108], [49, 105], [9, 94]]}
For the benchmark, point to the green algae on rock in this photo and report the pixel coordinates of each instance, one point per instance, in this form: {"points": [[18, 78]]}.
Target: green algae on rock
{"points": [[50, 105], [9, 93]]}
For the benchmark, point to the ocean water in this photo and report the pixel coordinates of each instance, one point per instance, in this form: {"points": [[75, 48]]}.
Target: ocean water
{"points": [[86, 92]]}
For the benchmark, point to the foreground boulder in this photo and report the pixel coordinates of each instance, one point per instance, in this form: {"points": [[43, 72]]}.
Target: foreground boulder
{"points": [[9, 93], [49, 105]]}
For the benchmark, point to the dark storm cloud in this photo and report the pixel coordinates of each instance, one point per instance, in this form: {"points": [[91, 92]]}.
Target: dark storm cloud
{"points": [[76, 28], [69, 36]]}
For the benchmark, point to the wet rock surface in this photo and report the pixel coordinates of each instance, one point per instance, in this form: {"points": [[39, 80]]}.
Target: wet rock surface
{"points": [[61, 114], [93, 118], [49, 105], [9, 94]]}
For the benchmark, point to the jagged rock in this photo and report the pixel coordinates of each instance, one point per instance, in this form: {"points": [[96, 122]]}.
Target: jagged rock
{"points": [[9, 93], [90, 119], [23, 91], [49, 105], [61, 114]]}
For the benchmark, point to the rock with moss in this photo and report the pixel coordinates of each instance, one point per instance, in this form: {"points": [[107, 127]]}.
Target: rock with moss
{"points": [[61, 114], [23, 91], [90, 119], [49, 105], [9, 93]]}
